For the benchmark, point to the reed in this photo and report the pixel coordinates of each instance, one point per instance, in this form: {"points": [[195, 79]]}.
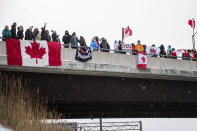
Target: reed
{"points": [[21, 109]]}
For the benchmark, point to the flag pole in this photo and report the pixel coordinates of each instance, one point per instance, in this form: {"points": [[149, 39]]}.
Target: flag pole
{"points": [[193, 36], [122, 34]]}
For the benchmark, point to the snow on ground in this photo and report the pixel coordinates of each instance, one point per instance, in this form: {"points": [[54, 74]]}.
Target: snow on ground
{"points": [[4, 129]]}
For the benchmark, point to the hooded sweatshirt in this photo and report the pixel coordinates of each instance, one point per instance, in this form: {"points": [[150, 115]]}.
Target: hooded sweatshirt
{"points": [[6, 34], [169, 50]]}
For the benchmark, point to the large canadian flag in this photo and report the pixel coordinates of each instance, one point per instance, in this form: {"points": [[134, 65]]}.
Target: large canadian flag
{"points": [[33, 53], [126, 32], [142, 60]]}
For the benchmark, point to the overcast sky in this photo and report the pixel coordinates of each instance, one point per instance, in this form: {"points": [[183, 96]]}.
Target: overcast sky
{"points": [[152, 21]]}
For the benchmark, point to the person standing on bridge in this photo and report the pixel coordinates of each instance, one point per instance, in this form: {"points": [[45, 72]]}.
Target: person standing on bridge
{"points": [[133, 50], [47, 35], [116, 44], [43, 32], [162, 51], [20, 32], [66, 39], [6, 33], [36, 34], [169, 50], [74, 40], [13, 31], [97, 41], [94, 45], [120, 47], [29, 34], [105, 47], [82, 41], [55, 37], [139, 46]]}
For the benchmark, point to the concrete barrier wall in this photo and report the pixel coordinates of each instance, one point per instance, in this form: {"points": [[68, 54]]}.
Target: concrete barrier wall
{"points": [[112, 64]]}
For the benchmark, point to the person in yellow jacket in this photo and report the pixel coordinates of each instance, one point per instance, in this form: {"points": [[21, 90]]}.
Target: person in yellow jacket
{"points": [[139, 46]]}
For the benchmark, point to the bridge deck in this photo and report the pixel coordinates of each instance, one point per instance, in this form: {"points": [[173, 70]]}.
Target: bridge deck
{"points": [[110, 85], [113, 64]]}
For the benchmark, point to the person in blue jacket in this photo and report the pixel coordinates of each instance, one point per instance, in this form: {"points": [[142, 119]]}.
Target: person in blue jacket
{"points": [[74, 40], [6, 33], [94, 45]]}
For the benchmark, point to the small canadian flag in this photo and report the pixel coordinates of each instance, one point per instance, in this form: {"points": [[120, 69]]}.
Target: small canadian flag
{"points": [[33, 53], [126, 32], [192, 23], [142, 60]]}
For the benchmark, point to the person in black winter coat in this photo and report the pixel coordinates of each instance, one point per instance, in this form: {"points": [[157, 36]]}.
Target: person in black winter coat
{"points": [[66, 39], [55, 36], [120, 47], [43, 32], [105, 47], [13, 31], [162, 51], [48, 37], [20, 32], [82, 41], [29, 34]]}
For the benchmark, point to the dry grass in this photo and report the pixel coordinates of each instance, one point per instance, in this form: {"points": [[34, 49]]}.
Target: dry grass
{"points": [[21, 110]]}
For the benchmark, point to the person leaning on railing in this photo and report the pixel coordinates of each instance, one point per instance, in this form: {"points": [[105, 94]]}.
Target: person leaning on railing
{"points": [[120, 47], [66, 39], [36, 34], [74, 41], [169, 50], [47, 35], [43, 32], [55, 37], [94, 45], [6, 33], [162, 51], [13, 31], [139, 46], [20, 33], [82, 42], [116, 43], [29, 33], [173, 54], [186, 56], [104, 46], [133, 50]]}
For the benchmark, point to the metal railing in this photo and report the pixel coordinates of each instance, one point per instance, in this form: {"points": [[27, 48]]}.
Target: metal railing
{"points": [[124, 52], [111, 126]]}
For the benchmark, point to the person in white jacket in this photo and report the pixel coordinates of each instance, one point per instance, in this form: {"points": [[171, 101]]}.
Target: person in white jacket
{"points": [[36, 34], [116, 46]]}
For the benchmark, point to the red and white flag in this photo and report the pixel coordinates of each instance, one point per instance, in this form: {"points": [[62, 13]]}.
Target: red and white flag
{"points": [[126, 32], [33, 53], [142, 60], [180, 52], [192, 23]]}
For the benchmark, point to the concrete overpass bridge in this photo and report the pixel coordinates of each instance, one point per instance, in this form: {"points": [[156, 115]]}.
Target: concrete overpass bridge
{"points": [[110, 85]]}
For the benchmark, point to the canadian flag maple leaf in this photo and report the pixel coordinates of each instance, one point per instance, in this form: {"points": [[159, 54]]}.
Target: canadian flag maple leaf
{"points": [[128, 31], [143, 59], [35, 51]]}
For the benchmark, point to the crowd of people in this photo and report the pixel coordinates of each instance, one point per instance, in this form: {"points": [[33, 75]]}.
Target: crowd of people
{"points": [[67, 39], [169, 53], [97, 44]]}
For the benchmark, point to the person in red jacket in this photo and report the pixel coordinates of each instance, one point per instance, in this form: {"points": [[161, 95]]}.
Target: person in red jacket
{"points": [[134, 52], [173, 54]]}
